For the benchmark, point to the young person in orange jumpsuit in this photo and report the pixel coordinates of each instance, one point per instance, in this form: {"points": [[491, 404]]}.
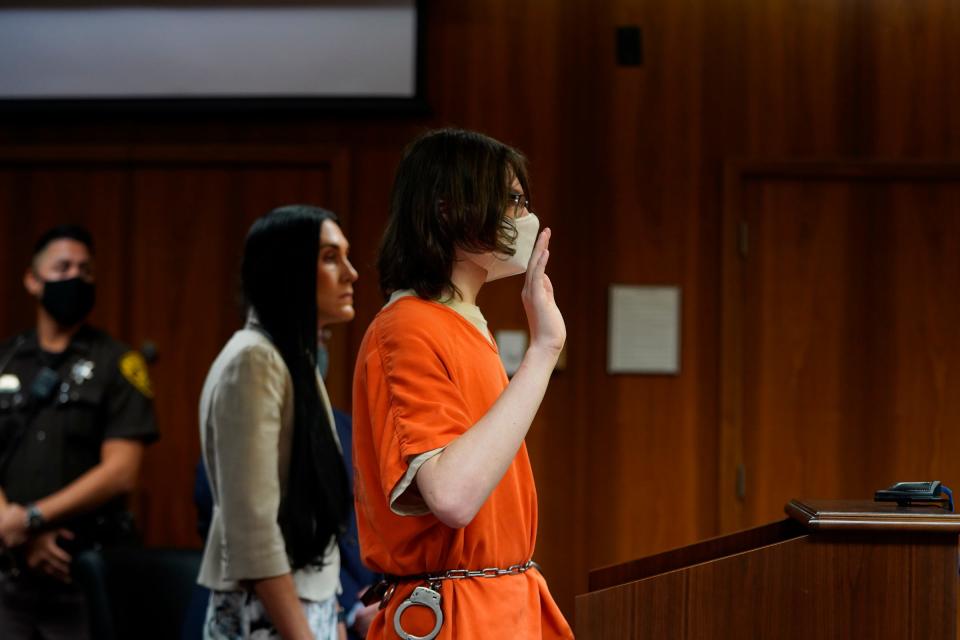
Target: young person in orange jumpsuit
{"points": [[445, 497]]}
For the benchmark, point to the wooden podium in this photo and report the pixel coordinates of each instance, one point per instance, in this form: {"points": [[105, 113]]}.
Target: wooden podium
{"points": [[833, 570]]}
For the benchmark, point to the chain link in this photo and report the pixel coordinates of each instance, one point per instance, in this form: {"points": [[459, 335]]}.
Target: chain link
{"points": [[489, 572]]}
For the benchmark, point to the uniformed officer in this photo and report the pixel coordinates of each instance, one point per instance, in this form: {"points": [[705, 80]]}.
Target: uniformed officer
{"points": [[75, 416]]}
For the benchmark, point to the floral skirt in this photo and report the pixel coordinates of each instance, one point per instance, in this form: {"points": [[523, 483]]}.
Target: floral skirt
{"points": [[238, 615]]}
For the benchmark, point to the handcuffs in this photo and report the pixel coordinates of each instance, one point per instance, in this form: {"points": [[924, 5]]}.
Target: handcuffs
{"points": [[429, 596]]}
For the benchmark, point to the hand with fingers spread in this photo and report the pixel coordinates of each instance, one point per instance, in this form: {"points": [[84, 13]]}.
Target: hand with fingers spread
{"points": [[44, 555], [547, 329]]}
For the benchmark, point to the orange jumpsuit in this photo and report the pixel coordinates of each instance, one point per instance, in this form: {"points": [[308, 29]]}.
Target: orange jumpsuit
{"points": [[424, 376]]}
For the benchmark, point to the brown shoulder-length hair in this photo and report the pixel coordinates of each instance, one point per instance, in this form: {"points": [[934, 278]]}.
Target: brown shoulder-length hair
{"points": [[451, 190]]}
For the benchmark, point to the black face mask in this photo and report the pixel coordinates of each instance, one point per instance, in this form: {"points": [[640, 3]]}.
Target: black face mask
{"points": [[68, 301]]}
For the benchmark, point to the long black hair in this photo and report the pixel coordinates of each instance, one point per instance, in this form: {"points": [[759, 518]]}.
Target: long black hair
{"points": [[451, 190], [279, 276]]}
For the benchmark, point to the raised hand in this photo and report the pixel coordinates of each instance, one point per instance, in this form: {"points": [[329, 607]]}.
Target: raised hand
{"points": [[547, 329]]}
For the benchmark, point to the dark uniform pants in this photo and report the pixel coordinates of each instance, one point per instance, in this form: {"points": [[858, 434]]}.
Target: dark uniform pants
{"points": [[34, 609]]}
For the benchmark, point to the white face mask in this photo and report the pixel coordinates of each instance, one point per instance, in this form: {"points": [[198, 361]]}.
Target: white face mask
{"points": [[500, 266]]}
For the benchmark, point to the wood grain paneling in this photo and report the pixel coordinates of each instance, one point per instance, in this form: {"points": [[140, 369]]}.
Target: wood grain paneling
{"points": [[36, 198], [842, 318], [627, 168], [859, 585], [169, 223]]}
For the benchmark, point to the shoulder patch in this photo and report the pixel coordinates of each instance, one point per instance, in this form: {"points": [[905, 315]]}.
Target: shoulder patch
{"points": [[134, 369]]}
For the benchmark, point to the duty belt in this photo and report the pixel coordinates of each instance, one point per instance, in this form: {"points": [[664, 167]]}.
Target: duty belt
{"points": [[429, 596]]}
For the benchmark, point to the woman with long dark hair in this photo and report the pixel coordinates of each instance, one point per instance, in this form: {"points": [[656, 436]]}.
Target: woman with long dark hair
{"points": [[446, 503], [269, 447]]}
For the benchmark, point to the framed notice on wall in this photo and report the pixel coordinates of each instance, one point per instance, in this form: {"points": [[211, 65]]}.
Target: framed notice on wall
{"points": [[363, 54], [643, 335]]}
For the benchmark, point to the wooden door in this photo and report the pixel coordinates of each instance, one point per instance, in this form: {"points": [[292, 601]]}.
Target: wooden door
{"points": [[841, 363]]}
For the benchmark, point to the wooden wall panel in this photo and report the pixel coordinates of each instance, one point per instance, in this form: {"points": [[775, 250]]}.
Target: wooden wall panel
{"points": [[648, 435], [50, 194], [627, 167], [910, 106], [170, 224], [186, 237], [924, 312], [190, 232]]}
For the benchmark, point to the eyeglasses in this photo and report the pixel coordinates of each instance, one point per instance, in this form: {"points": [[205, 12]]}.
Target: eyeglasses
{"points": [[519, 202]]}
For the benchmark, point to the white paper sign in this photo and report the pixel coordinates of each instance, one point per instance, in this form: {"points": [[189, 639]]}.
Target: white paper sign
{"points": [[644, 330]]}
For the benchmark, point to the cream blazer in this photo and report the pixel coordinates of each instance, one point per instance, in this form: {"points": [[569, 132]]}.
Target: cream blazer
{"points": [[246, 430]]}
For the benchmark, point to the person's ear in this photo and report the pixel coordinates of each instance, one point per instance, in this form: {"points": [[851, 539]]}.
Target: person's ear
{"points": [[32, 283]]}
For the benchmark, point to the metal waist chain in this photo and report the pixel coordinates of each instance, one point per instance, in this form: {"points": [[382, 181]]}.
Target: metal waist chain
{"points": [[462, 574], [383, 590]]}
